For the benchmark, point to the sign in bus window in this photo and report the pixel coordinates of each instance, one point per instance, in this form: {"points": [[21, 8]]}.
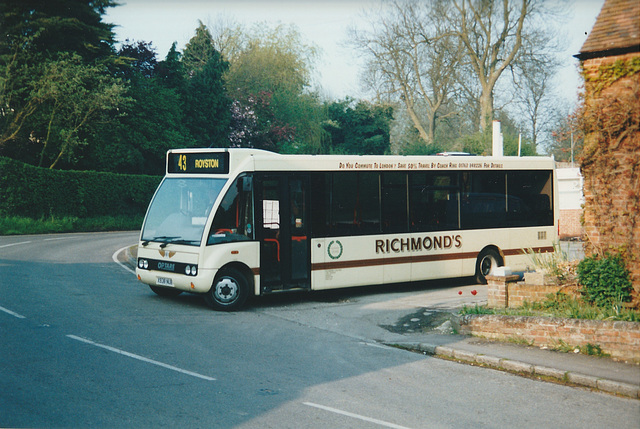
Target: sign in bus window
{"points": [[271, 214]]}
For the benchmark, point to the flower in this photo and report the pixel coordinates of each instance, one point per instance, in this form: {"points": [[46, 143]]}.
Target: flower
{"points": [[459, 292], [474, 292]]}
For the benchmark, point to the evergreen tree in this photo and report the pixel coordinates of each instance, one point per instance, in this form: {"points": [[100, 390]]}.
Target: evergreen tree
{"points": [[171, 70], [47, 27], [207, 108], [358, 128]]}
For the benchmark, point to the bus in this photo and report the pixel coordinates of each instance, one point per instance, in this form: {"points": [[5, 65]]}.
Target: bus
{"points": [[234, 223]]}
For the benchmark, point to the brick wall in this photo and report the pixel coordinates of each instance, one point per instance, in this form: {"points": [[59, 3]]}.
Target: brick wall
{"points": [[570, 223], [611, 169], [507, 291], [521, 292], [619, 339]]}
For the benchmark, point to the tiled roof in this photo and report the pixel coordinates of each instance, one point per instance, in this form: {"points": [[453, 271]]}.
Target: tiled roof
{"points": [[617, 29]]}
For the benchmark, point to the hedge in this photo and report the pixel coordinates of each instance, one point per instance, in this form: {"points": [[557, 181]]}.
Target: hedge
{"points": [[36, 192]]}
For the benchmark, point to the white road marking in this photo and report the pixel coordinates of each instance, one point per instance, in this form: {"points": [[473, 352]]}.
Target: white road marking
{"points": [[19, 316], [355, 416], [14, 244], [115, 259], [57, 238], [141, 358]]}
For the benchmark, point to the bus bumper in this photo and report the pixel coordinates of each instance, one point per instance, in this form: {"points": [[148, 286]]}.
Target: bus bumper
{"points": [[197, 284]]}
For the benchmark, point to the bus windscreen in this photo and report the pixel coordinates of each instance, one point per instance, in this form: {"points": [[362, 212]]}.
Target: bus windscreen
{"points": [[179, 210]]}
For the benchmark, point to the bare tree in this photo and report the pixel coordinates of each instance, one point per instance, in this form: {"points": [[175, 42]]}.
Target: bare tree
{"points": [[411, 61], [534, 72], [491, 33], [444, 58], [533, 96]]}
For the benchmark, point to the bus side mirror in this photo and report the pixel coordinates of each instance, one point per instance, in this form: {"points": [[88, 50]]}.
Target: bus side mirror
{"points": [[247, 184]]}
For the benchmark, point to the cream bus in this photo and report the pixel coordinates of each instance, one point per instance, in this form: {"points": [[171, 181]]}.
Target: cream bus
{"points": [[230, 223]]}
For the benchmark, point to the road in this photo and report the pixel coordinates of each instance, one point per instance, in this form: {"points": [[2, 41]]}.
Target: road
{"points": [[84, 344]]}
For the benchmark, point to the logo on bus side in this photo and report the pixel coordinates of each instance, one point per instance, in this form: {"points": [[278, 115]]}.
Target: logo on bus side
{"points": [[332, 251], [417, 244]]}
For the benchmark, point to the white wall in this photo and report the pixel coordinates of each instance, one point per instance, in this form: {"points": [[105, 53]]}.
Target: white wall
{"points": [[570, 188]]}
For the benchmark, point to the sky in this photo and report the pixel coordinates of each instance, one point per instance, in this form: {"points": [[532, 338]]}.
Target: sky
{"points": [[323, 23]]}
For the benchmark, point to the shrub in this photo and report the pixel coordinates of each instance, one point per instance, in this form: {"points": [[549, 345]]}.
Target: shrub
{"points": [[554, 263], [605, 280], [32, 192]]}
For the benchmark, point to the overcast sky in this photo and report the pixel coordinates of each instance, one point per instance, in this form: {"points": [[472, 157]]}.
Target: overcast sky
{"points": [[323, 23]]}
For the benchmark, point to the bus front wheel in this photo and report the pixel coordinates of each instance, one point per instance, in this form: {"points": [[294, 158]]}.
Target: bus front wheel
{"points": [[229, 291], [487, 261]]}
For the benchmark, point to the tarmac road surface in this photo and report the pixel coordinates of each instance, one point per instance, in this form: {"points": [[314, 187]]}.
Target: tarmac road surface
{"points": [[84, 344]]}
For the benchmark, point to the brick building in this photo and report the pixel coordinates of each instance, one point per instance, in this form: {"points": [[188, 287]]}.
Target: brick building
{"points": [[571, 200], [610, 60]]}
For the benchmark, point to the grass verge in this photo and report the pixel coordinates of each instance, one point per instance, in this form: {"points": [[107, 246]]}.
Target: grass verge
{"points": [[14, 225], [562, 306]]}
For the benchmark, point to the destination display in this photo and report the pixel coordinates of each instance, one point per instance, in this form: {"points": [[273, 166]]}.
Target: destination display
{"points": [[198, 163]]}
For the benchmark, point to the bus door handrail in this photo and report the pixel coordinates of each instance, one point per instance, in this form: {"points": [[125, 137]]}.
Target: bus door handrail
{"points": [[275, 240]]}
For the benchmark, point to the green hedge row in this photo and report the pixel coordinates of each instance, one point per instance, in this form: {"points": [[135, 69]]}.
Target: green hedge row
{"points": [[35, 192]]}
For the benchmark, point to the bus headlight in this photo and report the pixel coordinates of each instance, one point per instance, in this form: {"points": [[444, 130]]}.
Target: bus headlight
{"points": [[143, 264], [191, 270]]}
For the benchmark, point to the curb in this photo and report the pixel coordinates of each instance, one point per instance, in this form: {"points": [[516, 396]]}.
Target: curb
{"points": [[527, 369]]}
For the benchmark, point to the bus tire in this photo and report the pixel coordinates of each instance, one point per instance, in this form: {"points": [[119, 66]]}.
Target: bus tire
{"points": [[165, 291], [229, 291], [487, 261]]}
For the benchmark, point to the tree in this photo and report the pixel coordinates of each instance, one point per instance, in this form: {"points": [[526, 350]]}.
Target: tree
{"points": [[491, 37], [198, 50], [275, 61], [358, 128], [140, 58], [253, 124], [207, 107], [134, 142], [567, 138], [36, 34], [442, 60], [73, 95], [171, 70], [411, 62], [47, 27]]}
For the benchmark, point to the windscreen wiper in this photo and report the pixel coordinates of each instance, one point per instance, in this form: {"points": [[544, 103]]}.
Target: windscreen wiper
{"points": [[178, 240], [161, 238]]}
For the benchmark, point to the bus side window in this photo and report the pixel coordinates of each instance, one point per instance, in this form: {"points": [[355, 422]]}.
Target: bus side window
{"points": [[234, 219], [433, 201], [394, 202]]}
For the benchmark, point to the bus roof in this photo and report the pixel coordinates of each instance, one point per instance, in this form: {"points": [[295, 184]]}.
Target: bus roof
{"points": [[234, 160]]}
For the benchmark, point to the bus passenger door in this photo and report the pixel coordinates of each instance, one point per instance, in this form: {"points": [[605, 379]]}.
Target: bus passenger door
{"points": [[284, 232], [299, 222]]}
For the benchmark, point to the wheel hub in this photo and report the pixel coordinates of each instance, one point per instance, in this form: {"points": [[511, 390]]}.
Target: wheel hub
{"points": [[486, 265], [226, 290]]}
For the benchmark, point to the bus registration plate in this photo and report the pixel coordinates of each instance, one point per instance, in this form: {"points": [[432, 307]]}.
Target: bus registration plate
{"points": [[164, 281]]}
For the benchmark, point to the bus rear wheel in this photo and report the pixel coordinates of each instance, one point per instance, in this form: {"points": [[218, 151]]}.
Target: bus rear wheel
{"points": [[229, 291], [487, 261]]}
